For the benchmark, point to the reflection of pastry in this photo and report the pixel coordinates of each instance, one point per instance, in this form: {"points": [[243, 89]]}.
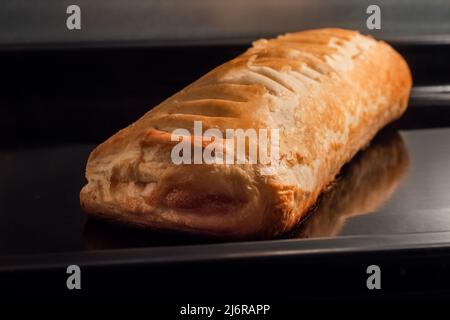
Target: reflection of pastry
{"points": [[363, 185], [327, 91]]}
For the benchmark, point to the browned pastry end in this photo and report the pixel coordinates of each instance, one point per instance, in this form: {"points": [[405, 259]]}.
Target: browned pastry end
{"points": [[328, 91]]}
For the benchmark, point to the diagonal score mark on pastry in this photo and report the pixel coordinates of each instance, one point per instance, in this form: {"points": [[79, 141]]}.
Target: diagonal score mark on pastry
{"points": [[328, 91]]}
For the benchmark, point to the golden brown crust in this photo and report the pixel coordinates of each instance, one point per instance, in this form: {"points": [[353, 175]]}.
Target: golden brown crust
{"points": [[328, 91]]}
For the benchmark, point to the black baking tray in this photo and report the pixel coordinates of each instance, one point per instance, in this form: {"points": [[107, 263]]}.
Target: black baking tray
{"points": [[390, 205]]}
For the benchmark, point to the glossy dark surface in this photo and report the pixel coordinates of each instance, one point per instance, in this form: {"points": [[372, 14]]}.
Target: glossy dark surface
{"points": [[399, 185]]}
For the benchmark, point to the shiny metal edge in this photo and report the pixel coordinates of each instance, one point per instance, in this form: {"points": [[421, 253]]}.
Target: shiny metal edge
{"points": [[230, 251]]}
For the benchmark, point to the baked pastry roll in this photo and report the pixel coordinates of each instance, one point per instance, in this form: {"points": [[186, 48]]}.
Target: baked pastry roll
{"points": [[326, 92]]}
